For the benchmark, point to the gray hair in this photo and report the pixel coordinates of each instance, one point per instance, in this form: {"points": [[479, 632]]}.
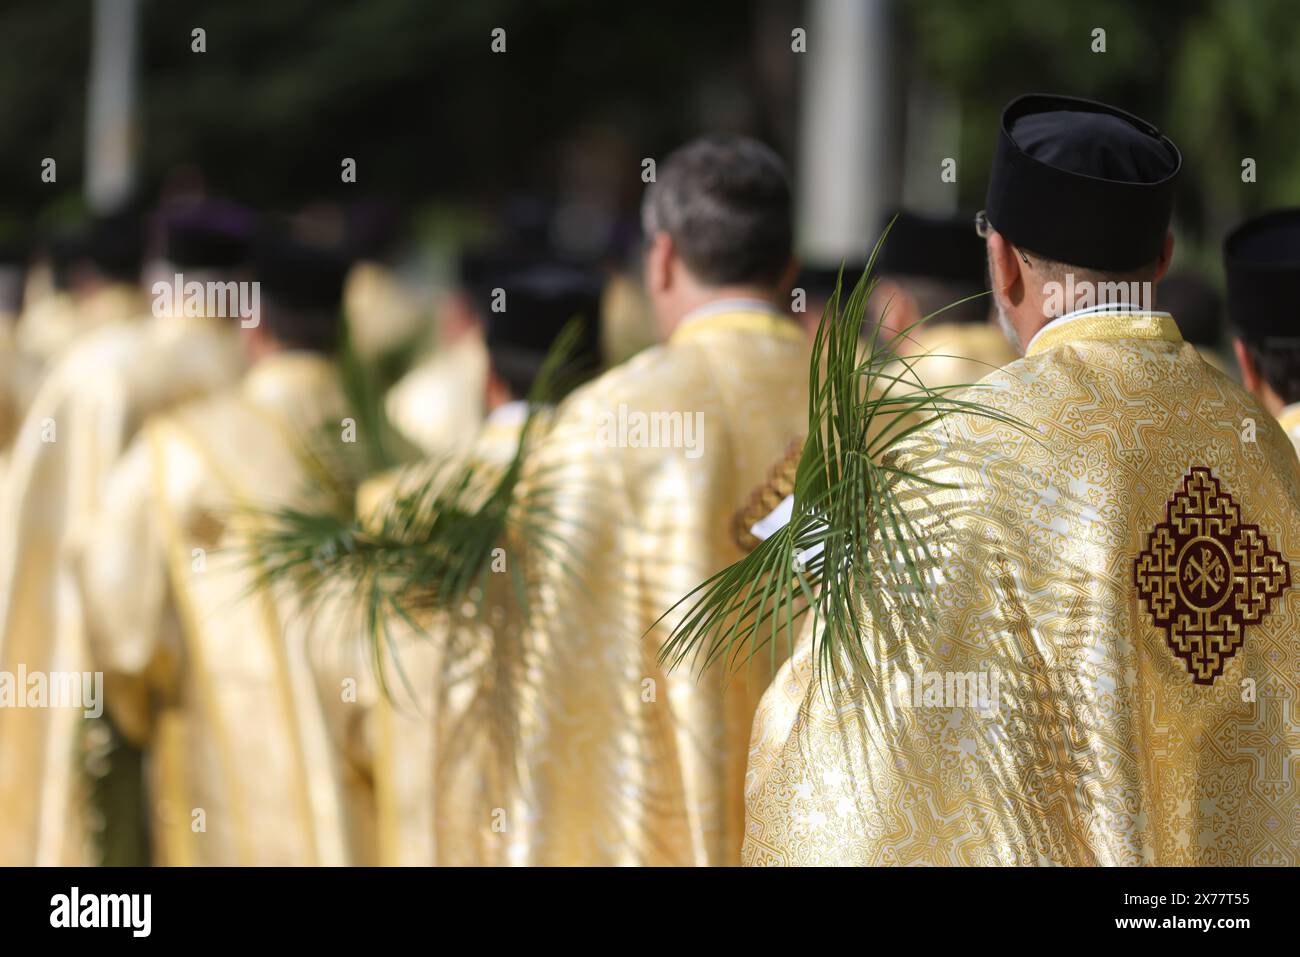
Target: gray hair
{"points": [[725, 202]]}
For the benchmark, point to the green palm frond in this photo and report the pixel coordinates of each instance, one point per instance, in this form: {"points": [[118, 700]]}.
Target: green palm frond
{"points": [[365, 383], [850, 549], [430, 550]]}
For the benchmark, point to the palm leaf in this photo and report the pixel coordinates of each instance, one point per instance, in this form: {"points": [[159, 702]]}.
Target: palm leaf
{"points": [[850, 550], [365, 383], [430, 550]]}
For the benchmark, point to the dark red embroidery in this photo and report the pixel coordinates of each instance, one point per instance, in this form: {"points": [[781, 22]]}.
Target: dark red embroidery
{"points": [[1205, 576]]}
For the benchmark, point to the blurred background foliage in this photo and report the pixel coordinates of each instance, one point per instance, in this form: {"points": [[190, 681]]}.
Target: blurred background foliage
{"points": [[413, 92], [1221, 78]]}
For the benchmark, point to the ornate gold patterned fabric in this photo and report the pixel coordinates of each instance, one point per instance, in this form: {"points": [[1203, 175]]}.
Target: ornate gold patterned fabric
{"points": [[79, 423], [939, 354], [620, 762], [1112, 673], [247, 705], [955, 353], [1205, 576]]}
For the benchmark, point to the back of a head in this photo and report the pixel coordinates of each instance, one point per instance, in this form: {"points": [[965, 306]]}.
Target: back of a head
{"points": [[64, 250], [374, 230], [939, 261], [113, 245], [1086, 187], [1262, 261], [206, 235], [302, 291], [725, 203], [540, 300], [1195, 305], [14, 253]]}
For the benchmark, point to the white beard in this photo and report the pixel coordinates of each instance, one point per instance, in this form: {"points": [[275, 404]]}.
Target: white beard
{"points": [[1008, 330]]}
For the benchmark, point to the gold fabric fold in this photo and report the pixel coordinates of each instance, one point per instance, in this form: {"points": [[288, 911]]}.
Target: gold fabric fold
{"points": [[1111, 675], [438, 405], [619, 761], [441, 733], [247, 703], [79, 423]]}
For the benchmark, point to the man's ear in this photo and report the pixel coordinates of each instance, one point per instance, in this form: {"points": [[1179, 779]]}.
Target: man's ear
{"points": [[660, 263], [1166, 256], [258, 342], [786, 282], [1004, 269], [495, 391], [1250, 378], [895, 310]]}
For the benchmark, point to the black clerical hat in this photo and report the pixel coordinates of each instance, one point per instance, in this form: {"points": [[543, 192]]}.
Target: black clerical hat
{"points": [[115, 242], [481, 269], [1196, 305], [935, 247], [374, 229], [818, 280], [208, 234], [540, 299], [1262, 260], [1082, 183], [15, 250], [300, 275]]}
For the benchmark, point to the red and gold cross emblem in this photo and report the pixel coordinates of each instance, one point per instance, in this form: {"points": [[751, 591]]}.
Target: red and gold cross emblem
{"points": [[1205, 576]]}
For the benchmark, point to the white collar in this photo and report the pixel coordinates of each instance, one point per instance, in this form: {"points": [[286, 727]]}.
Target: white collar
{"points": [[1124, 308], [512, 413], [739, 304]]}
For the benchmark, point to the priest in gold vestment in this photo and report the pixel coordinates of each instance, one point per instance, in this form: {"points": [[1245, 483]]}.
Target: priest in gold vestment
{"points": [[445, 748], [251, 712], [438, 405], [622, 762], [1110, 672], [96, 272], [382, 313], [18, 371], [1262, 260], [81, 420], [929, 303]]}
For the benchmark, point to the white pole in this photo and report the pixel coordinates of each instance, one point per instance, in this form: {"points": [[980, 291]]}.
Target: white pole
{"points": [[847, 169], [110, 121]]}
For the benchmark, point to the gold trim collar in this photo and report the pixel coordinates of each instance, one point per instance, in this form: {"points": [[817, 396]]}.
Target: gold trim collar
{"points": [[740, 320], [1108, 326]]}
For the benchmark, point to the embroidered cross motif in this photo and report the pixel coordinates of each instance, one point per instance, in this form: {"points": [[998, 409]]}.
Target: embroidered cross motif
{"points": [[1204, 575]]}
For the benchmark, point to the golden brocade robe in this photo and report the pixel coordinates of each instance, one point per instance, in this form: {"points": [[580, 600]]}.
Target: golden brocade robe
{"points": [[78, 425], [626, 325], [933, 355], [54, 323], [443, 748], [381, 313], [1125, 570], [438, 405], [239, 695], [19, 375], [954, 353], [621, 761]]}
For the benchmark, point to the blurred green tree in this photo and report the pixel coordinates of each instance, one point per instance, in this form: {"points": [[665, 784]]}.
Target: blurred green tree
{"points": [[1222, 79]]}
